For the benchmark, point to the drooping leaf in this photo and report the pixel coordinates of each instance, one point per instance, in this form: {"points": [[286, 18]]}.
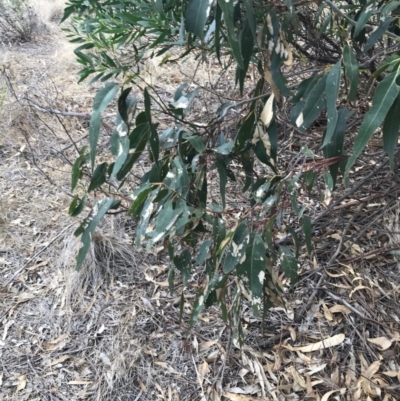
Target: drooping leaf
{"points": [[250, 17], [362, 20], [77, 167], [203, 252], [221, 167], [295, 238], [102, 99], [226, 148], [77, 206], [391, 129], [251, 270], [197, 143], [246, 43], [227, 7], [153, 140], [389, 64], [139, 197], [332, 91], [99, 177], [314, 104], [183, 263], [146, 212], [335, 146], [245, 131], [238, 247], [138, 140], [351, 69], [196, 16], [377, 34], [98, 211], [166, 219], [288, 263], [385, 94], [307, 229]]}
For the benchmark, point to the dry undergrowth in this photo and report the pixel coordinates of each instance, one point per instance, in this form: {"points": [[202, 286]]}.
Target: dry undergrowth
{"points": [[112, 331]]}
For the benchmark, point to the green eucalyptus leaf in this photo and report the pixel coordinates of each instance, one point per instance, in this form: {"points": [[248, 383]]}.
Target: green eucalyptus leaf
{"points": [[351, 68], [251, 270], [289, 263], [196, 16], [332, 92], [391, 129], [99, 177], [385, 95], [103, 98], [99, 209]]}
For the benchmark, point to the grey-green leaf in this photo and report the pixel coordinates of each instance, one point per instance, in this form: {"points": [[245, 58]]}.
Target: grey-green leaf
{"points": [[203, 252], [251, 270], [221, 167], [99, 210], [362, 20], [103, 98], [314, 104], [335, 146], [289, 263], [183, 263], [385, 95], [237, 248], [196, 16], [99, 177], [351, 69], [227, 7], [332, 91], [391, 129]]}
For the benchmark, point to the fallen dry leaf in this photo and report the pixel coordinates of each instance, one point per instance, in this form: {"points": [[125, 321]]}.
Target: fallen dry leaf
{"points": [[21, 383], [239, 397], [382, 343], [329, 393], [327, 343], [340, 309], [59, 360]]}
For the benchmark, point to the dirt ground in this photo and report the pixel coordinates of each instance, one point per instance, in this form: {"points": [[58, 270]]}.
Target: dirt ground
{"points": [[112, 331]]}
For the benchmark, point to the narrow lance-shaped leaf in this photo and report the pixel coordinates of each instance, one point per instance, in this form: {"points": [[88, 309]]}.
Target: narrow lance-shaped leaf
{"points": [[247, 44], [250, 17], [385, 94], [237, 248], [391, 129], [313, 106], [289, 263], [164, 222], [251, 270], [103, 98], [332, 91], [351, 69], [307, 228], [377, 34], [221, 167], [203, 252], [196, 16], [99, 177], [154, 140], [335, 146], [227, 7], [362, 20], [99, 210]]}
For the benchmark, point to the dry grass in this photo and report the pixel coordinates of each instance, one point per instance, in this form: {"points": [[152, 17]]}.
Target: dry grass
{"points": [[112, 331]]}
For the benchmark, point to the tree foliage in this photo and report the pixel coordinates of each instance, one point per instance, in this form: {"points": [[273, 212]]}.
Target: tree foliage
{"points": [[353, 50]]}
